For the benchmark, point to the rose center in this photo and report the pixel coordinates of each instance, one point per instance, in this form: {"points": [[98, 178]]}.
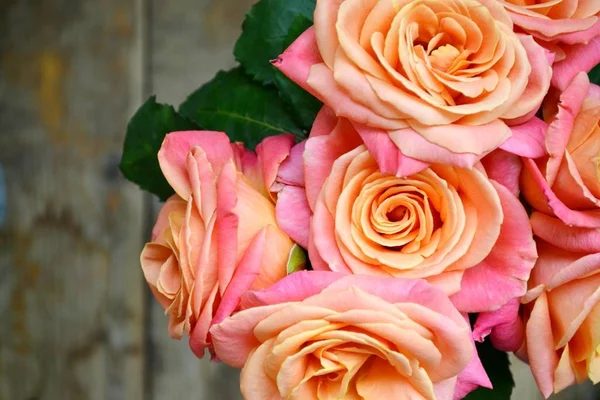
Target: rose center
{"points": [[397, 213], [443, 57]]}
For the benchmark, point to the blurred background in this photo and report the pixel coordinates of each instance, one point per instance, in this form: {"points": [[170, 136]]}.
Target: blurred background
{"points": [[76, 318]]}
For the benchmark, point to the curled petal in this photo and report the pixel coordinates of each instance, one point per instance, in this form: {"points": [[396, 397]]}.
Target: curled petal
{"points": [[504, 168], [174, 151], [504, 326]]}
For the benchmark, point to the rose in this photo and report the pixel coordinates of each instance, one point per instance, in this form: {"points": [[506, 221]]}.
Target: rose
{"points": [[209, 244], [446, 74], [454, 227], [566, 183], [327, 336], [554, 22], [562, 310], [571, 31]]}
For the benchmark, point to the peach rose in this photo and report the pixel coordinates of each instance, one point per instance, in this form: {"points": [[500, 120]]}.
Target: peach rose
{"points": [[566, 183], [570, 29], [434, 74], [322, 335], [209, 244], [562, 311], [454, 227]]}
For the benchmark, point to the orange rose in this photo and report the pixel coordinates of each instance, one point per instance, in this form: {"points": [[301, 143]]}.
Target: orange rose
{"points": [[322, 335], [450, 71]]}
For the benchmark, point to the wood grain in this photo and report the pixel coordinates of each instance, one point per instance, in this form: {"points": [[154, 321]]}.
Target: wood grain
{"points": [[71, 299]]}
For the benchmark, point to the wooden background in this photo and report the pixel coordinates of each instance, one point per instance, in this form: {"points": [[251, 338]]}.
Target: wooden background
{"points": [[76, 319]]}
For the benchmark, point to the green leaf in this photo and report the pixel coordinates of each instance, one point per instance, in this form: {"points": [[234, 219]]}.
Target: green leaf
{"points": [[497, 366], [145, 133], [264, 35], [247, 111], [297, 260], [304, 106], [594, 75]]}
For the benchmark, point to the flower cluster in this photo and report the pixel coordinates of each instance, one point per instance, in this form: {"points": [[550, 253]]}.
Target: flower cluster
{"points": [[454, 168]]}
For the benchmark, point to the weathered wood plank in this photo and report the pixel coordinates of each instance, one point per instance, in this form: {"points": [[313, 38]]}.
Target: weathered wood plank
{"points": [[71, 299], [191, 41]]}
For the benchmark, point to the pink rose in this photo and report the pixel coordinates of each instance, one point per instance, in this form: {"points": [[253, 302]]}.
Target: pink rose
{"points": [[217, 237], [455, 227], [562, 310], [442, 78], [328, 336], [566, 183]]}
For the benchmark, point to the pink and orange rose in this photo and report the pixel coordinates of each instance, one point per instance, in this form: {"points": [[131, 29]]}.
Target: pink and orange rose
{"points": [[570, 29], [329, 336], [562, 306], [217, 237], [455, 227], [557, 329], [566, 183], [443, 78]]}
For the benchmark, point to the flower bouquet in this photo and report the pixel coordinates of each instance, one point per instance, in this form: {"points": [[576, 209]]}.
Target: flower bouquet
{"points": [[384, 198]]}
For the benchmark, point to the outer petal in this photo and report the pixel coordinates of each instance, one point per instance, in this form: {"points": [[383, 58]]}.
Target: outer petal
{"points": [[538, 82], [173, 203], [291, 171], [297, 60], [227, 225], [503, 275], [560, 129], [585, 219], [272, 152], [472, 377], [412, 144], [294, 287], [320, 153], [504, 168], [388, 156], [569, 238], [579, 57], [173, 154], [233, 339], [504, 325], [540, 346], [465, 138], [293, 214], [243, 278], [527, 139]]}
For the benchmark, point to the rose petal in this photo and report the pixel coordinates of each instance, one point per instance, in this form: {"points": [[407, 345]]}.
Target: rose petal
{"points": [[389, 158], [527, 139], [579, 58], [504, 325], [584, 219], [293, 214], [174, 151], [503, 275], [504, 168], [571, 238]]}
